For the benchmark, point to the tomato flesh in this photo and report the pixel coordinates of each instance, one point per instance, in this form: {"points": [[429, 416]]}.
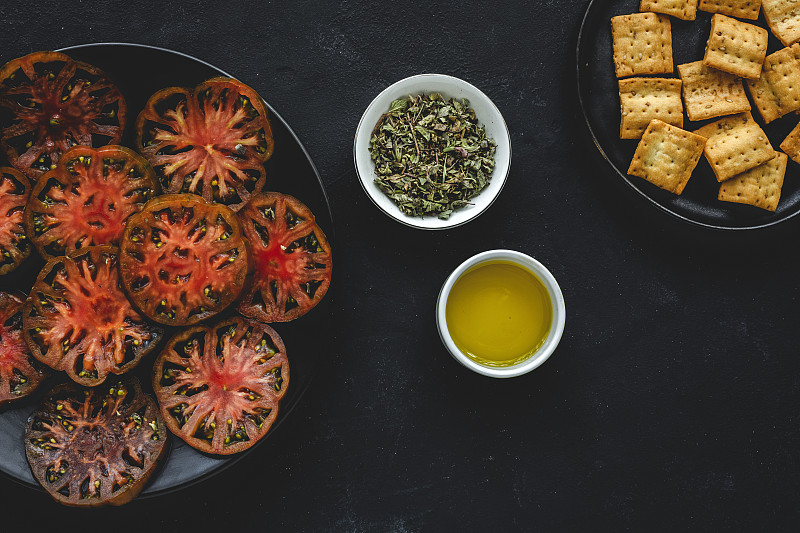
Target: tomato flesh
{"points": [[212, 141], [53, 103], [19, 373], [10, 208], [291, 257], [79, 320], [14, 244], [88, 198], [219, 386], [183, 260], [95, 447]]}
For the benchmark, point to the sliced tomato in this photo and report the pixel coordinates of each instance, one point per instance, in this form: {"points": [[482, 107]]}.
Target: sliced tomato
{"points": [[93, 447], [20, 373], [219, 386], [212, 140], [14, 244], [77, 318], [87, 198], [183, 260], [291, 258], [51, 103]]}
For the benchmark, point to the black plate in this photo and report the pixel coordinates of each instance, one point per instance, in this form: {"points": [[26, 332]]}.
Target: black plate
{"points": [[599, 99], [139, 71]]}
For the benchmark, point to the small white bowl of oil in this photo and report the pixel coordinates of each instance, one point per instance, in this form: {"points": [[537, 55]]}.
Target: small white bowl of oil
{"points": [[501, 313]]}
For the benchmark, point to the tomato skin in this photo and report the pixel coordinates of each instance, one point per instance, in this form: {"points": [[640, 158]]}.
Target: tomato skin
{"points": [[20, 374], [77, 318], [219, 386], [95, 447], [183, 260], [87, 199], [212, 140], [292, 260], [51, 103], [15, 246]]}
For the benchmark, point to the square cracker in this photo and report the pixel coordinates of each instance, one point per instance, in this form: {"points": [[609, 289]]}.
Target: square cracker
{"points": [[777, 91], [735, 144], [791, 144], [744, 9], [736, 47], [666, 156], [643, 99], [682, 9], [783, 18], [642, 44], [710, 93], [759, 186]]}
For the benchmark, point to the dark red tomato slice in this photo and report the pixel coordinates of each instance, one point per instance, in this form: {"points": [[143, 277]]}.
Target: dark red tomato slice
{"points": [[50, 103], [77, 318], [219, 386], [212, 140], [20, 373], [87, 198], [291, 258], [183, 260], [93, 447], [14, 244]]}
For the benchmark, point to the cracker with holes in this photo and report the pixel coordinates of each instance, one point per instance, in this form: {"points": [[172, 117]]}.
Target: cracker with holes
{"points": [[682, 9], [759, 186], [783, 18], [743, 9], [736, 47], [777, 91], [735, 145], [666, 156], [710, 93], [644, 99], [791, 144], [642, 44]]}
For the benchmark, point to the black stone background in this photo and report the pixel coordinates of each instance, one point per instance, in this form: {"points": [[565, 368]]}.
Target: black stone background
{"points": [[672, 401]]}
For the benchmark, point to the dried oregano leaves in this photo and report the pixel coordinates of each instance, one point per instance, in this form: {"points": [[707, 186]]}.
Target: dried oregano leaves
{"points": [[430, 154]]}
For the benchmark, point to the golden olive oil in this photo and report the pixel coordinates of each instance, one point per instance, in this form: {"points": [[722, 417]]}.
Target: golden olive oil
{"points": [[498, 313]]}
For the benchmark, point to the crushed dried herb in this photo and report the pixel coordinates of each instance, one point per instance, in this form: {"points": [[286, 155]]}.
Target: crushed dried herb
{"points": [[430, 154]]}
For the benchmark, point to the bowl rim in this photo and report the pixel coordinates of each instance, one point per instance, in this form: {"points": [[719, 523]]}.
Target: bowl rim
{"points": [[556, 300], [366, 176]]}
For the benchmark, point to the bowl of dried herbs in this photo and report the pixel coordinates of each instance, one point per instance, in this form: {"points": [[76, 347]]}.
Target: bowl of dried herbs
{"points": [[432, 151]]}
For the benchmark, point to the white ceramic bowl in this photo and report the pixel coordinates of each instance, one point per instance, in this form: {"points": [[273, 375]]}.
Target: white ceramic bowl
{"points": [[556, 300], [449, 87]]}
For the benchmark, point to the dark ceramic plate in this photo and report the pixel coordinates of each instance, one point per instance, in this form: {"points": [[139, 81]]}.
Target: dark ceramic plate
{"points": [[139, 71], [599, 99]]}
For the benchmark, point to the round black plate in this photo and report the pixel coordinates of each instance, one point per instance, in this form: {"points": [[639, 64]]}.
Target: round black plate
{"points": [[599, 99], [139, 71]]}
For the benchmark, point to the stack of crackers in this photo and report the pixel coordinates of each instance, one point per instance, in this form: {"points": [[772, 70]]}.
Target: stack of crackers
{"points": [[738, 150]]}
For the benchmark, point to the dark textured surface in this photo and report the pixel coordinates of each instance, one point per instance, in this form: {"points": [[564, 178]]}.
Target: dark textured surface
{"points": [[671, 403]]}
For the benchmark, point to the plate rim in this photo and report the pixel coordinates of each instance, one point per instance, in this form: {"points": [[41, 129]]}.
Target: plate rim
{"points": [[583, 105], [226, 462]]}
